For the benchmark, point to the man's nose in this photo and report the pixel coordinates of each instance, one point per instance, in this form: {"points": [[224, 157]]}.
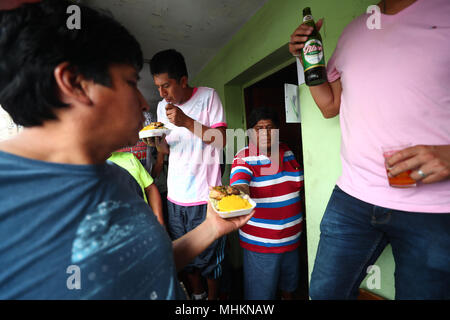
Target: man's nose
{"points": [[162, 93]]}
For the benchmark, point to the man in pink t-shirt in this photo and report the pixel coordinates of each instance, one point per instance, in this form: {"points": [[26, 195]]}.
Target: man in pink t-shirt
{"points": [[390, 86], [196, 119]]}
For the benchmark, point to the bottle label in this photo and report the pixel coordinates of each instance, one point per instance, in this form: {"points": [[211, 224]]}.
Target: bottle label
{"points": [[313, 54]]}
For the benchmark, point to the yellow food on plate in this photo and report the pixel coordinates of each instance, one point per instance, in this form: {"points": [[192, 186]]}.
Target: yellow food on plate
{"points": [[154, 125], [232, 203]]}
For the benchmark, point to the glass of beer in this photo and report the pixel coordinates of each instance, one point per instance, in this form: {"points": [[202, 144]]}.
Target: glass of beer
{"points": [[403, 179]]}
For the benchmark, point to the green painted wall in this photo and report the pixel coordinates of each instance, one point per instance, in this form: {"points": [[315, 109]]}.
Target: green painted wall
{"points": [[259, 49]]}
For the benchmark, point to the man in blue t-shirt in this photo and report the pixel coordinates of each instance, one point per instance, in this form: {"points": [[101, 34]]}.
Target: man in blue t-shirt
{"points": [[73, 226]]}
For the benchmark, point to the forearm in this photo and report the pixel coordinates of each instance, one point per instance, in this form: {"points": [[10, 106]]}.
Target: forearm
{"points": [[243, 187], [155, 202], [158, 165], [327, 98], [193, 243]]}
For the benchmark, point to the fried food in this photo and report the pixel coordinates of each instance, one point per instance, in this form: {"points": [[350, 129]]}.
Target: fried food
{"points": [[220, 192], [228, 201], [217, 192], [232, 190], [154, 125]]}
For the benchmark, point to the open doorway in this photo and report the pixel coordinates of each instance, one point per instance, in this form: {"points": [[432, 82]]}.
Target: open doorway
{"points": [[269, 92]]}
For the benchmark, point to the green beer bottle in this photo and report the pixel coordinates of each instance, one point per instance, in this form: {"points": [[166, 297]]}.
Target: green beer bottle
{"points": [[312, 54]]}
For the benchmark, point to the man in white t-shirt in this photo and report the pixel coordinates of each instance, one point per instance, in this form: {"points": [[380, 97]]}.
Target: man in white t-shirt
{"points": [[390, 87], [196, 119]]}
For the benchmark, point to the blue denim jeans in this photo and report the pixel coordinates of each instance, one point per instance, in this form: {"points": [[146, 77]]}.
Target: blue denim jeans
{"points": [[353, 235], [264, 273]]}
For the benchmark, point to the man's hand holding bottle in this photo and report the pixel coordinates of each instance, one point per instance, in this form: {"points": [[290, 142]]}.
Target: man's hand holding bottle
{"points": [[299, 37]]}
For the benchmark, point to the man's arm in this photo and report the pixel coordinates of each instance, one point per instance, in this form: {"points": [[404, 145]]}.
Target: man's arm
{"points": [[154, 199], [186, 248], [243, 187], [327, 95], [214, 136], [158, 165]]}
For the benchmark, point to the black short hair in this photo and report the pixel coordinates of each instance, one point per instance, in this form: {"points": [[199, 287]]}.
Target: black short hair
{"points": [[35, 38], [169, 61], [263, 113]]}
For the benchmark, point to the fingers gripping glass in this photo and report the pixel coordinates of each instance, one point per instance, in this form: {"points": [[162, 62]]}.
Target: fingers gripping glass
{"points": [[403, 179]]}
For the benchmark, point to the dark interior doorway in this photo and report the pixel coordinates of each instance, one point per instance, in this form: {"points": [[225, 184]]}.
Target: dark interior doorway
{"points": [[269, 92]]}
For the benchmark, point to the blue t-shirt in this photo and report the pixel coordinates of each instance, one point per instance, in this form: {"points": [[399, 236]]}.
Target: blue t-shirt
{"points": [[79, 232]]}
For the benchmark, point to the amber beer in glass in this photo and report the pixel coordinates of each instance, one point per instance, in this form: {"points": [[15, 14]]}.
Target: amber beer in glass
{"points": [[312, 54], [402, 180]]}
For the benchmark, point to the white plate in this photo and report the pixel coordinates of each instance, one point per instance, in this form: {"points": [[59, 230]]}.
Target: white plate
{"points": [[235, 213], [153, 133]]}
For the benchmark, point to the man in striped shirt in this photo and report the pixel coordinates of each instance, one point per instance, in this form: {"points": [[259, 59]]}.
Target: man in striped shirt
{"points": [[269, 173]]}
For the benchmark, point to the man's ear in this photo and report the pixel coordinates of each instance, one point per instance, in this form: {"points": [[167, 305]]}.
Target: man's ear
{"points": [[184, 82], [72, 86]]}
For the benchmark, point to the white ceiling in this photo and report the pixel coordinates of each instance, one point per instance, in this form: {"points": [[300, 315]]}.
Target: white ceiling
{"points": [[196, 28]]}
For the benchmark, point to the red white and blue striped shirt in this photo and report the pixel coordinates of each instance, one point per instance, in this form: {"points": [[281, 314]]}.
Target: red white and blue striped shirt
{"points": [[277, 223]]}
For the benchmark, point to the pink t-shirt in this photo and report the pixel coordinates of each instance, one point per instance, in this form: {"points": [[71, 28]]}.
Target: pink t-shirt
{"points": [[395, 91], [193, 165]]}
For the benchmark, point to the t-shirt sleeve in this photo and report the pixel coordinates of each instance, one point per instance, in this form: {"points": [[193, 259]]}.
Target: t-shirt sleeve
{"points": [[241, 172], [144, 176], [216, 112]]}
